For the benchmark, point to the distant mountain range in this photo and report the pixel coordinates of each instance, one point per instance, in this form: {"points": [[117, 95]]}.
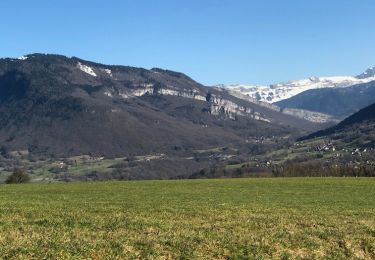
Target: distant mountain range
{"points": [[336, 97], [284, 90], [337, 102], [55, 105]]}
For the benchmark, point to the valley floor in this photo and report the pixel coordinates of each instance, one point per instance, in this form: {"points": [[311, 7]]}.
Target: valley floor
{"points": [[288, 218]]}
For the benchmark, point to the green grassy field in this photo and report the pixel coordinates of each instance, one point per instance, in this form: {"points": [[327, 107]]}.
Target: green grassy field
{"points": [[285, 218]]}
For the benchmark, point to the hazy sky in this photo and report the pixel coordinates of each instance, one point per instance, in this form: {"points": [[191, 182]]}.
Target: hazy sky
{"points": [[222, 41]]}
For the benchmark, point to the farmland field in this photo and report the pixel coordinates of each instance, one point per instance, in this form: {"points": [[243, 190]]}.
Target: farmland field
{"points": [[277, 218]]}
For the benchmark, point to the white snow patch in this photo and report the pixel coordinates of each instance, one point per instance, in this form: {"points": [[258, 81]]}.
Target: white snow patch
{"points": [[108, 71], [86, 69], [109, 94], [123, 95], [23, 58]]}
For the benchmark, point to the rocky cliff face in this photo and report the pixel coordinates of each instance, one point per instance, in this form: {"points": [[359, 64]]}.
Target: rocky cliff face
{"points": [[310, 115], [218, 106]]}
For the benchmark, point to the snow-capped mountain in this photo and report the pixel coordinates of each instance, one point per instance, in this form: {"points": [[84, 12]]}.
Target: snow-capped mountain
{"points": [[367, 74], [277, 92]]}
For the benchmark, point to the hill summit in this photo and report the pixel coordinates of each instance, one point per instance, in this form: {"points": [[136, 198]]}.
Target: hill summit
{"points": [[55, 105]]}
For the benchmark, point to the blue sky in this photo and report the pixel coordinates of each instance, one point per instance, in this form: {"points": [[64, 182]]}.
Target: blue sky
{"points": [[222, 41]]}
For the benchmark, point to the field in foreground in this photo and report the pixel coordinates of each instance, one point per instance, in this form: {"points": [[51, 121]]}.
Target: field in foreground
{"points": [[210, 219]]}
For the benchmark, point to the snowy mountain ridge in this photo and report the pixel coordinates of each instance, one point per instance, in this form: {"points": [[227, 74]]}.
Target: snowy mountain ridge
{"points": [[277, 92]]}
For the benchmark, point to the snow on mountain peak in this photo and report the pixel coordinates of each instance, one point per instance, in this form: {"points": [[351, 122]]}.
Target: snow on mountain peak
{"points": [[284, 90]]}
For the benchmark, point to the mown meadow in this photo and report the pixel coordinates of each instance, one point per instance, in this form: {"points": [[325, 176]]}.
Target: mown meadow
{"points": [[268, 218]]}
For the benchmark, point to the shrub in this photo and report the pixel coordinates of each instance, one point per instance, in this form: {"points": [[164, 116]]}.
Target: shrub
{"points": [[18, 176]]}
